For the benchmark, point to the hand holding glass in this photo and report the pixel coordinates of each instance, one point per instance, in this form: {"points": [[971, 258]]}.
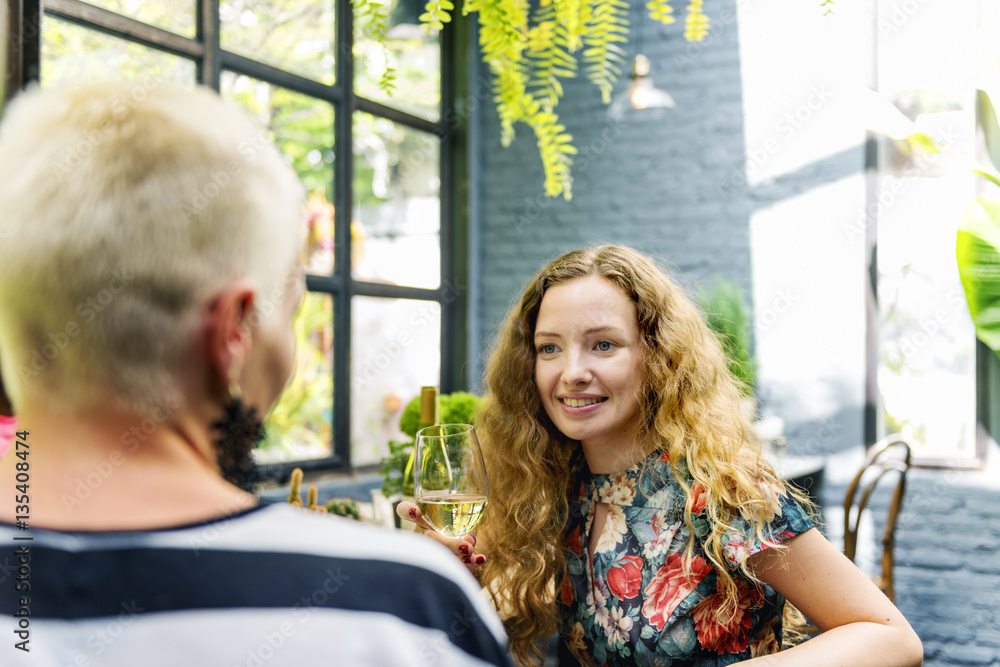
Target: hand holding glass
{"points": [[449, 478]]}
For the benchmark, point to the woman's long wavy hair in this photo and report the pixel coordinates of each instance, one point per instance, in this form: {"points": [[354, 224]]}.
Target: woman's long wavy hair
{"points": [[689, 408]]}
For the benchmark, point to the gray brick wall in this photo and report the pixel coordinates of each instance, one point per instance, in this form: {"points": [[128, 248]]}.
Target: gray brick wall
{"points": [[648, 183]]}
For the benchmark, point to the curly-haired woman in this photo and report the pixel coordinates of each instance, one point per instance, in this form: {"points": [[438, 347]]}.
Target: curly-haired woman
{"points": [[630, 507]]}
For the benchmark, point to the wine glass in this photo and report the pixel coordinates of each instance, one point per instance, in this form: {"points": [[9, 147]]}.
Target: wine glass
{"points": [[449, 478]]}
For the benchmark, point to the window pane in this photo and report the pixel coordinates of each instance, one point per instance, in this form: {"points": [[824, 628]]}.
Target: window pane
{"points": [[300, 425], [302, 127], [295, 35], [413, 54], [72, 54], [397, 215], [395, 350], [927, 365], [177, 16]]}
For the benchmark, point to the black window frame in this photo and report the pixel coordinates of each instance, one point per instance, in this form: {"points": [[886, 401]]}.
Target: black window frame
{"points": [[23, 49]]}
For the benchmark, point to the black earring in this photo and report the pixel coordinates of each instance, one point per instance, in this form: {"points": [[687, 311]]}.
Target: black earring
{"points": [[239, 430]]}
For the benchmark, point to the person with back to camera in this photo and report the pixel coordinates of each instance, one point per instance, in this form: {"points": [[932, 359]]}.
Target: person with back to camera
{"points": [[8, 422], [145, 324], [630, 508]]}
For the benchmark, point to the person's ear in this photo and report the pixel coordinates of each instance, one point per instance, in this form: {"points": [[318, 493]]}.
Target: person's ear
{"points": [[228, 333]]}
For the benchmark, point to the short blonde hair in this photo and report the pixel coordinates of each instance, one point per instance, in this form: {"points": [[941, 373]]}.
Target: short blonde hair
{"points": [[124, 206]]}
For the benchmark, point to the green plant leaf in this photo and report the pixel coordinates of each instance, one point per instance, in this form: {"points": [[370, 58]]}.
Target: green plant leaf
{"points": [[993, 178], [986, 118], [977, 249]]}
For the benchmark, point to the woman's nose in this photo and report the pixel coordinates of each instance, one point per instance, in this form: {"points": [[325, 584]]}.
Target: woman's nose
{"points": [[577, 370]]}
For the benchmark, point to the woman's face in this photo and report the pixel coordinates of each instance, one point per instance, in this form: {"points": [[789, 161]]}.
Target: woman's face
{"points": [[588, 361]]}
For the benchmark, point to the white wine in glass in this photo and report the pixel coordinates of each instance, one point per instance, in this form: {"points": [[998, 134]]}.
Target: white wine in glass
{"points": [[449, 478]]}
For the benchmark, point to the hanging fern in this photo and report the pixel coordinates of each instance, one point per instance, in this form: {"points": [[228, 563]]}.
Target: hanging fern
{"points": [[436, 14], [550, 55], [606, 29], [572, 16], [529, 55], [373, 15], [696, 22], [660, 10]]}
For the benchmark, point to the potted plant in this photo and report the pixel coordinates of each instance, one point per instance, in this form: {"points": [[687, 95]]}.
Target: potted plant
{"points": [[455, 408], [726, 312]]}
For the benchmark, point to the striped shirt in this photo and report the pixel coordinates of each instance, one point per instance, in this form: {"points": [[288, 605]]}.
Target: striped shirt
{"points": [[271, 586]]}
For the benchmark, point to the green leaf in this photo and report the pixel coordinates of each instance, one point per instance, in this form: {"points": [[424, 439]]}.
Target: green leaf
{"points": [[986, 117], [977, 249], [993, 178]]}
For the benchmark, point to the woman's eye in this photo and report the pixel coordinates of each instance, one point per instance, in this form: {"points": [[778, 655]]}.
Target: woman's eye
{"points": [[548, 348], [605, 345]]}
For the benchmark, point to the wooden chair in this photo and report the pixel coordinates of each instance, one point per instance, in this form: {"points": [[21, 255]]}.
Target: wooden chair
{"points": [[879, 461]]}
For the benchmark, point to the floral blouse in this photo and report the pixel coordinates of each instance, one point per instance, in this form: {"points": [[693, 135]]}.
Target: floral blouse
{"points": [[635, 606]]}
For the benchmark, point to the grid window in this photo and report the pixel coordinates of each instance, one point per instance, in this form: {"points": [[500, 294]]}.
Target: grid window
{"points": [[369, 153]]}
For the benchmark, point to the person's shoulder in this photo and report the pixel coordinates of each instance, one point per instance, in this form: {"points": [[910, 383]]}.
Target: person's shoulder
{"points": [[285, 527]]}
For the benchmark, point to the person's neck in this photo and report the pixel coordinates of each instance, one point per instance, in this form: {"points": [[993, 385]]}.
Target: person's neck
{"points": [[114, 470], [606, 456]]}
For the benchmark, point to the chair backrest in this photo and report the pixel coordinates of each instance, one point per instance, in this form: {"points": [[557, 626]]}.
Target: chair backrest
{"points": [[879, 460]]}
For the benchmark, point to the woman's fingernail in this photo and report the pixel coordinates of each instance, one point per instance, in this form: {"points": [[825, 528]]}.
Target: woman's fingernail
{"points": [[466, 559], [480, 560], [473, 539], [413, 513], [464, 548]]}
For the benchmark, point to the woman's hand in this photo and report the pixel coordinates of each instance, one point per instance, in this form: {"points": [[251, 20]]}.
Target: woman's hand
{"points": [[463, 547]]}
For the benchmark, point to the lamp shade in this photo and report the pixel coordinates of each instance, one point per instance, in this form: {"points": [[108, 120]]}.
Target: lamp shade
{"points": [[641, 95]]}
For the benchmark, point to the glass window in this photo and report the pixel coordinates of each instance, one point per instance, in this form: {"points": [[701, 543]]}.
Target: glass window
{"points": [[294, 35], [74, 54], [414, 55], [300, 425], [397, 212], [177, 16], [397, 350], [927, 362]]}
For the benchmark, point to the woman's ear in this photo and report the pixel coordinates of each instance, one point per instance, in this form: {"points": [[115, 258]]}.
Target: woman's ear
{"points": [[228, 333]]}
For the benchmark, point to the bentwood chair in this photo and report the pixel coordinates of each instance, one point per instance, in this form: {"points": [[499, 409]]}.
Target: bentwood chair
{"points": [[891, 454]]}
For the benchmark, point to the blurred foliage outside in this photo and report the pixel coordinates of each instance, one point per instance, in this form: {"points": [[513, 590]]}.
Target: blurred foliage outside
{"points": [[297, 35], [725, 309]]}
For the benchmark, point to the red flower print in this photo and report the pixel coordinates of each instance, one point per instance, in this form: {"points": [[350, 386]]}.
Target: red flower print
{"points": [[625, 577], [724, 633], [670, 585], [665, 458], [566, 591], [575, 541], [699, 495]]}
